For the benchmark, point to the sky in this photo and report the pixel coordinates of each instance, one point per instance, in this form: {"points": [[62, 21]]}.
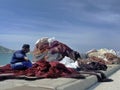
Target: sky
{"points": [[81, 24]]}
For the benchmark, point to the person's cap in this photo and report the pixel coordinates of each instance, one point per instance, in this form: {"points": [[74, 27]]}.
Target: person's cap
{"points": [[26, 46]]}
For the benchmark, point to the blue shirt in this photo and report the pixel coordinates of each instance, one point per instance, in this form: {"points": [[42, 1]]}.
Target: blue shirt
{"points": [[18, 56]]}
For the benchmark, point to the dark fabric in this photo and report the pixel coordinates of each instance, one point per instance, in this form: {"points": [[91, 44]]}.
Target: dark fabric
{"points": [[21, 65], [99, 74], [18, 56], [93, 66]]}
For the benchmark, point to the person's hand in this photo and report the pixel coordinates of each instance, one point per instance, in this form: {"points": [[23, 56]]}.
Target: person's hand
{"points": [[26, 58]]}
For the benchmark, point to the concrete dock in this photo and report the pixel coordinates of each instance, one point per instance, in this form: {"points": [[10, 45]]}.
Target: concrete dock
{"points": [[55, 84], [115, 85]]}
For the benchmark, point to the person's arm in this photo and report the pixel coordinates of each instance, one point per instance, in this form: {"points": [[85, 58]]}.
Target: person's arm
{"points": [[21, 56]]}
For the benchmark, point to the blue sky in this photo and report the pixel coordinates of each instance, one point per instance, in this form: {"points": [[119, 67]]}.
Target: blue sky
{"points": [[81, 24]]}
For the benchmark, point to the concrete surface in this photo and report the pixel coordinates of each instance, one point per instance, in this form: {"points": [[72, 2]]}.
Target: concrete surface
{"points": [[115, 85]]}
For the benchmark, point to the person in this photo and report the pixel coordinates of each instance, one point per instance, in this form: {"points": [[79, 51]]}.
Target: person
{"points": [[20, 60]]}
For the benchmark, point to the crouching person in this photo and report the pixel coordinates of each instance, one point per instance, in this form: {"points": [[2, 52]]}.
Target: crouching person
{"points": [[20, 60]]}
